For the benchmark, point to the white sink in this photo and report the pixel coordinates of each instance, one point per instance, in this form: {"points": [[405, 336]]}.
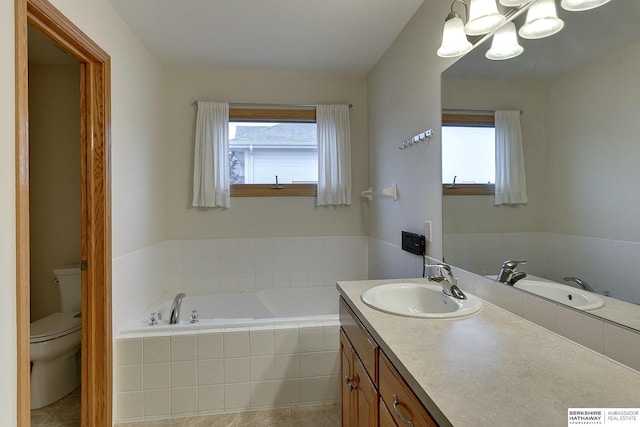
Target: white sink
{"points": [[567, 295], [419, 300]]}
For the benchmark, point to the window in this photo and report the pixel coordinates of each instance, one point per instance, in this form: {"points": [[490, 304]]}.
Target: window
{"points": [[265, 143], [468, 154]]}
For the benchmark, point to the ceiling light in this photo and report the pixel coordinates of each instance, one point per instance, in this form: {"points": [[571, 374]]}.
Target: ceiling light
{"points": [[542, 20], [483, 17], [578, 5], [513, 3], [505, 43], [454, 40]]}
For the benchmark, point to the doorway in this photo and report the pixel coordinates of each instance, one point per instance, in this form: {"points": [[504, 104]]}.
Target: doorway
{"points": [[95, 218]]}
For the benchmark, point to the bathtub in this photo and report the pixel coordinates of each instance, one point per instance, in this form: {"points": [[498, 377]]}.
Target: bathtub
{"points": [[250, 350]]}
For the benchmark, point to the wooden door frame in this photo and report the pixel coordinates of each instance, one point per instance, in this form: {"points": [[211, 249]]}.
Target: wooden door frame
{"points": [[95, 119]]}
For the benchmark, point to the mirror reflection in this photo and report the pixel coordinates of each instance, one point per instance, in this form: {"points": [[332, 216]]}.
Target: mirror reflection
{"points": [[580, 100]]}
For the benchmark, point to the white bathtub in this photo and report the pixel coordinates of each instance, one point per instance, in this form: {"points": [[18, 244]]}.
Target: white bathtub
{"points": [[247, 308], [249, 351]]}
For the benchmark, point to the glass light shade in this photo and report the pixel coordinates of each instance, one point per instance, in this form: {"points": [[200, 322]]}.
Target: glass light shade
{"points": [[542, 20], [483, 17], [454, 40], [513, 3], [578, 5], [505, 43]]}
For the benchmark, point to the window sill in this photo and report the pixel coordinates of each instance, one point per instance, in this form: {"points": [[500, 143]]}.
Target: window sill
{"points": [[468, 190], [265, 190]]}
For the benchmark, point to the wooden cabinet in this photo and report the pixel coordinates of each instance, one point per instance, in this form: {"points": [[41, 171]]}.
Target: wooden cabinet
{"points": [[359, 394], [373, 391]]}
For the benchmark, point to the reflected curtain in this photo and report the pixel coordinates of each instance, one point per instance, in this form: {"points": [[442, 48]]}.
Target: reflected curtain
{"points": [[511, 183], [334, 155], [211, 160]]}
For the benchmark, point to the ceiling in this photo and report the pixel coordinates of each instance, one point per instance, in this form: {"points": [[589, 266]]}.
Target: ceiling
{"points": [[585, 37], [336, 36]]}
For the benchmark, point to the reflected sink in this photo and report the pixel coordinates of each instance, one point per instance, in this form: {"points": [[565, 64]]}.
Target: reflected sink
{"points": [[568, 295], [419, 300]]}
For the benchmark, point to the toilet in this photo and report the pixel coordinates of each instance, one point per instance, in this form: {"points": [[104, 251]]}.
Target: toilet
{"points": [[55, 344]]}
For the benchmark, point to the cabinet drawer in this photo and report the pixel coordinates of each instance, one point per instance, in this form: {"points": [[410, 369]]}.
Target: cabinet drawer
{"points": [[407, 405], [360, 339]]}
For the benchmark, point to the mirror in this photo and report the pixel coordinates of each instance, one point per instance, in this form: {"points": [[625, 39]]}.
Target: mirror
{"points": [[580, 97]]}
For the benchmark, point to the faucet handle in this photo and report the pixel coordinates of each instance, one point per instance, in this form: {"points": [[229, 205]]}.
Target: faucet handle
{"points": [[153, 319], [194, 316], [512, 264]]}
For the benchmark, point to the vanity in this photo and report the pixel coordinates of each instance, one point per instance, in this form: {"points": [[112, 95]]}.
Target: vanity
{"points": [[492, 368]]}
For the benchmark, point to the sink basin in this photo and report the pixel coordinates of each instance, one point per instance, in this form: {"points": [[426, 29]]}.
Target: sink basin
{"points": [[419, 300], [567, 295]]}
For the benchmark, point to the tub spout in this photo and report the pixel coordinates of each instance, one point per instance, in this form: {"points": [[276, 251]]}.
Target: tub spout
{"points": [[174, 316]]}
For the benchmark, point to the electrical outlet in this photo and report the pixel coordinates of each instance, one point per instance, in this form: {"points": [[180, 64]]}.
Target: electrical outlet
{"points": [[427, 231]]}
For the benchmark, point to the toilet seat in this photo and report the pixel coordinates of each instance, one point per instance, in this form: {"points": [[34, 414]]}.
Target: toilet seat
{"points": [[54, 326]]}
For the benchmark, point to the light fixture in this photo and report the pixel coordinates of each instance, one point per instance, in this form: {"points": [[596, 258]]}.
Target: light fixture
{"points": [[483, 17], [542, 20], [454, 40], [578, 5], [505, 43], [513, 3]]}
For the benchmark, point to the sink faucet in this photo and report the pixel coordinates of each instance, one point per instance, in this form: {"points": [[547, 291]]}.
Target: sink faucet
{"points": [[508, 274], [447, 281], [174, 316], [581, 283]]}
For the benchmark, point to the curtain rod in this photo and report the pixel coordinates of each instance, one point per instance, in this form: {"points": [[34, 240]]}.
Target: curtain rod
{"points": [[241, 104], [471, 111]]}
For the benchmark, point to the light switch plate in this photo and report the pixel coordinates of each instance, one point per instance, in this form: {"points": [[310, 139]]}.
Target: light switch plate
{"points": [[427, 231]]}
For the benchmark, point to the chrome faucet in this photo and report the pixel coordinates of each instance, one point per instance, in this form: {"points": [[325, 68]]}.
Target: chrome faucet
{"points": [[447, 281], [508, 274], [174, 316], [581, 283]]}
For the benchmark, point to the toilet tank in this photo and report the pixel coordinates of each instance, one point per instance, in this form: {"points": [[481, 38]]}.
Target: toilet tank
{"points": [[69, 282]]}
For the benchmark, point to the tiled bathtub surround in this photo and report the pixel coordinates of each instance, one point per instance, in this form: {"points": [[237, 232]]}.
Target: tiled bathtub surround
{"points": [[188, 373], [143, 278], [607, 265]]}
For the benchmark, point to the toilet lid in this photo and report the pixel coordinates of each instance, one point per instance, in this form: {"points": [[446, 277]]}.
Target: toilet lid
{"points": [[54, 326]]}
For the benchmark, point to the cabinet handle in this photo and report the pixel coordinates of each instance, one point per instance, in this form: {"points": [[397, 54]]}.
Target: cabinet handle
{"points": [[347, 379], [352, 387], [407, 421]]}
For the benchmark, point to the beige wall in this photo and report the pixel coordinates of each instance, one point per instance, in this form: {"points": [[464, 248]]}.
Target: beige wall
{"points": [[404, 99], [137, 156], [478, 214], [136, 132], [54, 149], [268, 216], [593, 160], [7, 218]]}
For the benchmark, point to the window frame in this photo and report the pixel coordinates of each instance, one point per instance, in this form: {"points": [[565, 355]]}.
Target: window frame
{"points": [[469, 120], [283, 115]]}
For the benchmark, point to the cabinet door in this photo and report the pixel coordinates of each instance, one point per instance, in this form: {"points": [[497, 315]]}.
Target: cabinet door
{"points": [[366, 396], [346, 376], [386, 419]]}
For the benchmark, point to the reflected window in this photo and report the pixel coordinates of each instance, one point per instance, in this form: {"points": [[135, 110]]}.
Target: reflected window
{"points": [[468, 154]]}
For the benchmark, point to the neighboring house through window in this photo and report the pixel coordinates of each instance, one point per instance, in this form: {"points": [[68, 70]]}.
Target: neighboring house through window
{"points": [[269, 142]]}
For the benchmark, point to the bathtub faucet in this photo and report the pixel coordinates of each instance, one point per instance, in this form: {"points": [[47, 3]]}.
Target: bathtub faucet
{"points": [[174, 316]]}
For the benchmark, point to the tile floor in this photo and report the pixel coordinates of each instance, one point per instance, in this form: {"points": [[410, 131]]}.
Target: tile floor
{"points": [[66, 413], [63, 413], [302, 416]]}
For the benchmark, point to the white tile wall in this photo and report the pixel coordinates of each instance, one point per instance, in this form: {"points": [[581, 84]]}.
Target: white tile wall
{"points": [[233, 264], [230, 370]]}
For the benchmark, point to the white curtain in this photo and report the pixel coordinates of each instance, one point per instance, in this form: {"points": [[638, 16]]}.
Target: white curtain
{"points": [[511, 184], [334, 155], [211, 160]]}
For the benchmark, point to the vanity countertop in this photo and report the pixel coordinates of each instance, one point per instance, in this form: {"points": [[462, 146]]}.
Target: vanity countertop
{"points": [[494, 368]]}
